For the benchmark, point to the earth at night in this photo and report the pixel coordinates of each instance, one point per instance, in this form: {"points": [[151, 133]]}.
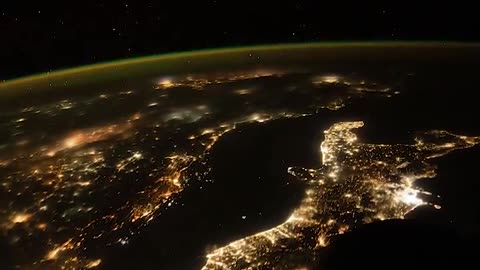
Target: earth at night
{"points": [[311, 156]]}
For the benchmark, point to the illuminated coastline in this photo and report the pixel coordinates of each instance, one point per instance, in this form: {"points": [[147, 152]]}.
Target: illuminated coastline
{"points": [[356, 184], [94, 169]]}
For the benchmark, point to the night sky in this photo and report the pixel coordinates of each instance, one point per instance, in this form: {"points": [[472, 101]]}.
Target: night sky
{"points": [[38, 37]]}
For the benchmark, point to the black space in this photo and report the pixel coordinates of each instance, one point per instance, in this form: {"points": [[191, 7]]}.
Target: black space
{"points": [[39, 36]]}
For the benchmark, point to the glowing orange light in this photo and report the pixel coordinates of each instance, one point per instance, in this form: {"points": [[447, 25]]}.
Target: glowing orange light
{"points": [[21, 218]]}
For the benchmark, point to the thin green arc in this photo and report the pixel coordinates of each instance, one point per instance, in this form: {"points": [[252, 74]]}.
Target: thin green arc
{"points": [[224, 50]]}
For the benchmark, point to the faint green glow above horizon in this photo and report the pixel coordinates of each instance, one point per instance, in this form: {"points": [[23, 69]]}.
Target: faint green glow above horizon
{"points": [[130, 62]]}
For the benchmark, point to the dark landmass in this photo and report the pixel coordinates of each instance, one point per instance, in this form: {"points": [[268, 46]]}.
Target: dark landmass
{"points": [[401, 244]]}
